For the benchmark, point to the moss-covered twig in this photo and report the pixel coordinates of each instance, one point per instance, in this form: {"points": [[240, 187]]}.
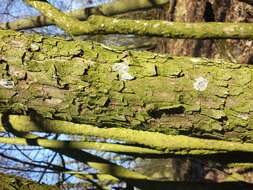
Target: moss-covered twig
{"points": [[96, 176], [108, 9], [107, 25], [79, 145], [245, 166], [73, 151], [179, 144]]}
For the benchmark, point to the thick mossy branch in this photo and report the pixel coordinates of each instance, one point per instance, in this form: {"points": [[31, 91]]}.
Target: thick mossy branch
{"points": [[178, 144], [98, 176], [9, 182], [91, 83], [107, 25], [210, 30], [108, 9]]}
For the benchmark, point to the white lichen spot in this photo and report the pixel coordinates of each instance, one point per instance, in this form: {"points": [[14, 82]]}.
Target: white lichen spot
{"points": [[156, 25], [55, 76], [102, 25], [249, 43], [226, 93], [229, 30], [168, 23], [115, 21], [6, 83], [220, 61], [67, 25], [195, 60], [243, 116], [145, 24], [35, 47], [137, 21], [53, 101], [122, 68], [200, 84], [126, 76]]}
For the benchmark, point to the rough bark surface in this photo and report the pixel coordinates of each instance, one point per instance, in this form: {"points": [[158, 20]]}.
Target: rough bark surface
{"points": [[91, 83], [9, 182], [205, 11]]}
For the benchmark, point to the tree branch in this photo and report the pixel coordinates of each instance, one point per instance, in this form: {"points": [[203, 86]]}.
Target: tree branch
{"points": [[107, 25], [87, 82], [181, 145], [56, 144], [109, 9]]}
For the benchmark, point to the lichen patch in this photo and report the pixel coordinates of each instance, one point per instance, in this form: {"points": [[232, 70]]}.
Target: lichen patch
{"points": [[126, 76], [6, 83], [200, 84], [156, 25], [115, 21], [243, 116], [34, 47], [195, 60], [122, 68]]}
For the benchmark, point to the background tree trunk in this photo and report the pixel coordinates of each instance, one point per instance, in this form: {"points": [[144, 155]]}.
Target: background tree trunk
{"points": [[207, 11]]}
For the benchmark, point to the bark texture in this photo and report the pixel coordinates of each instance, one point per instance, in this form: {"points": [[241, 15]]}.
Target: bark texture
{"points": [[91, 83], [206, 11], [9, 182]]}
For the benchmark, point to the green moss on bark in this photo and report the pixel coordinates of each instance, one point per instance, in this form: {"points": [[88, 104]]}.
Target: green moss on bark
{"points": [[86, 82], [9, 182], [107, 25]]}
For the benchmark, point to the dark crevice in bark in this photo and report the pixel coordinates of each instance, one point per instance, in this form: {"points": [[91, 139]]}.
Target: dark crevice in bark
{"points": [[209, 13], [208, 16], [156, 114]]}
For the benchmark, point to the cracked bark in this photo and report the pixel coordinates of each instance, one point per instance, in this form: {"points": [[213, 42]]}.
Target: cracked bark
{"points": [[91, 83], [9, 182], [240, 51]]}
